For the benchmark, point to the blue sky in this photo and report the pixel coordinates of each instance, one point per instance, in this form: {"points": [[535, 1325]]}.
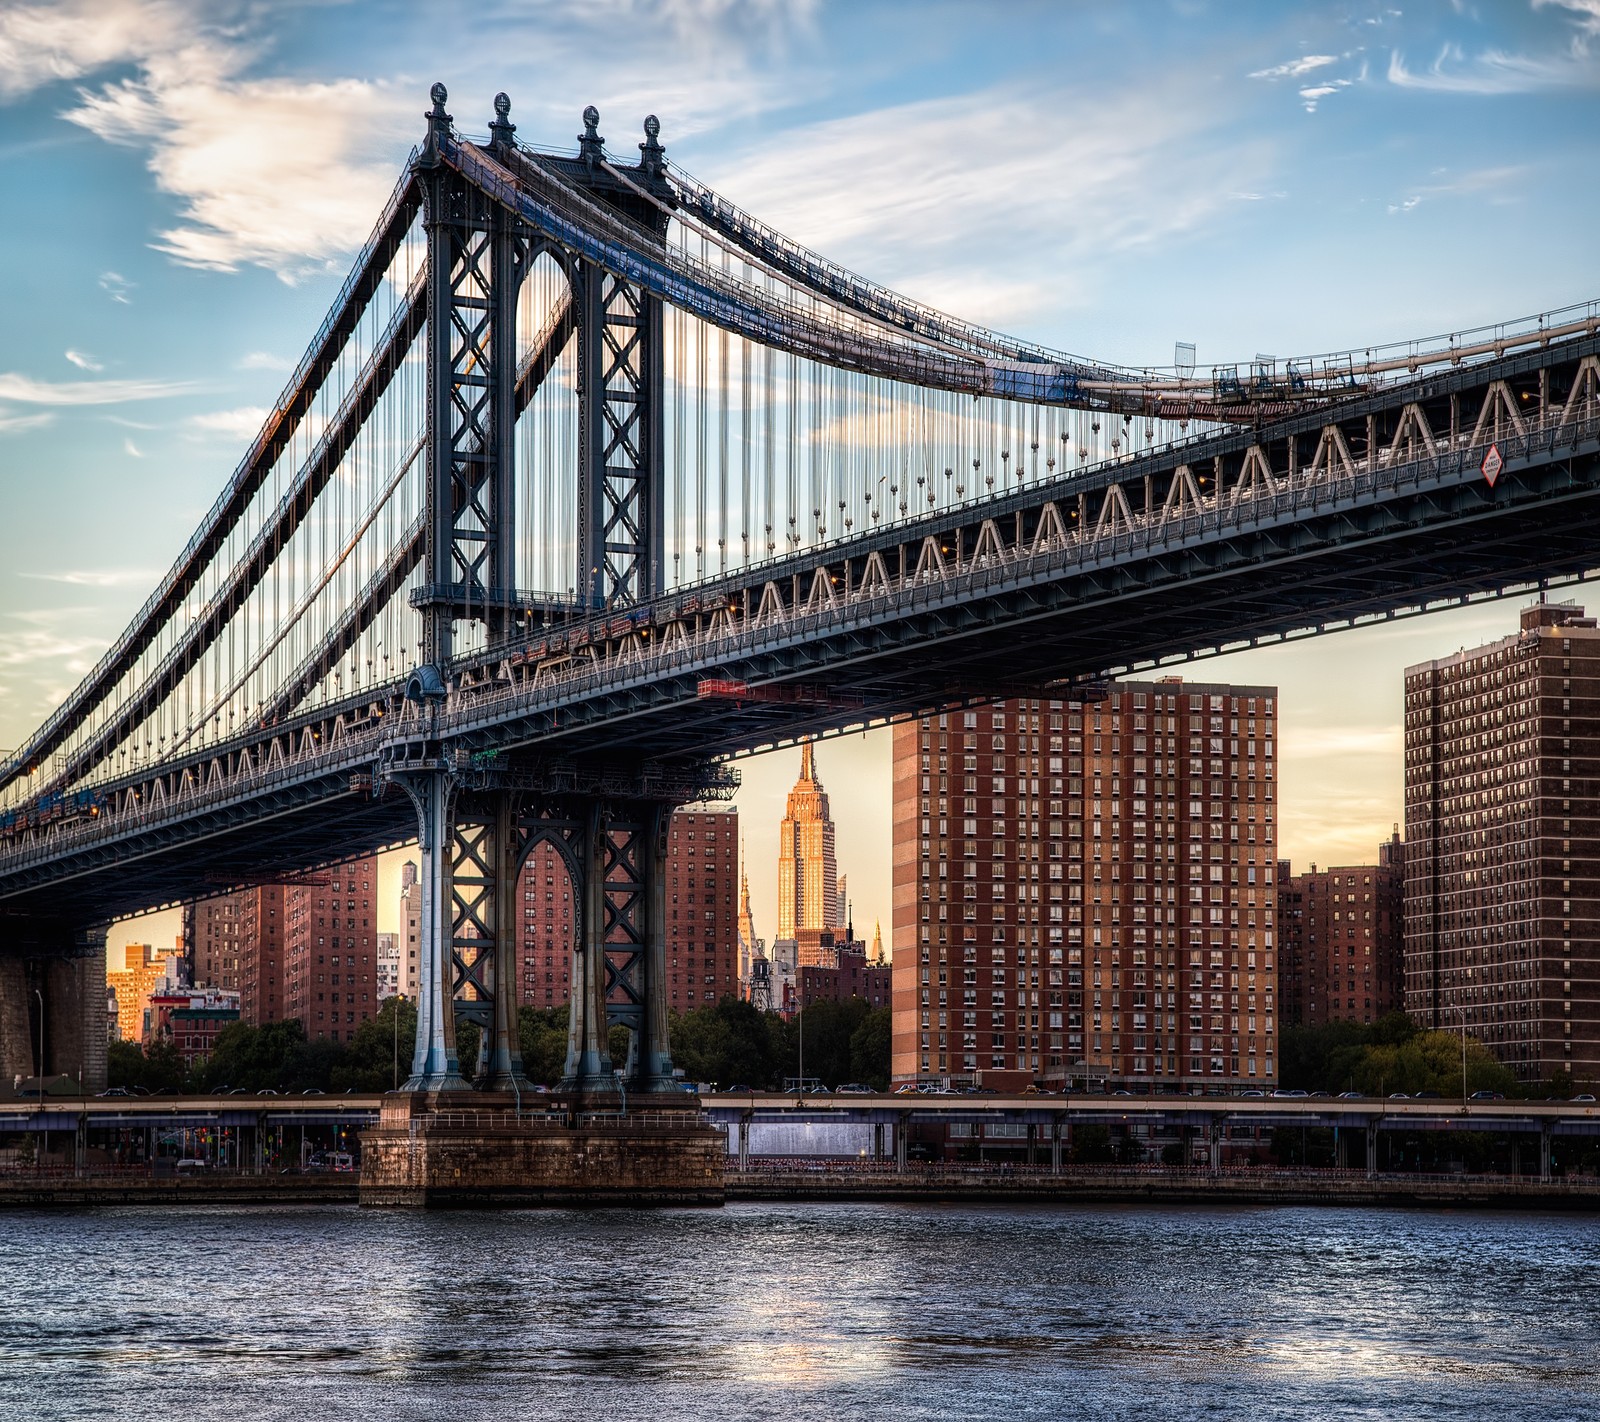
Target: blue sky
{"points": [[185, 184]]}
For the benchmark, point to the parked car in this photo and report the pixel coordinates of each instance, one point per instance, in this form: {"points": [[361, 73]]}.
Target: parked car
{"points": [[1398, 1096], [114, 1091], [1488, 1096], [1587, 1098], [192, 1166], [1352, 1096], [855, 1088], [1290, 1093], [1252, 1092]]}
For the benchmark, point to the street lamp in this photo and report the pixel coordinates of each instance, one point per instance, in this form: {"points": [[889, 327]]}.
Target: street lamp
{"points": [[40, 1078]]}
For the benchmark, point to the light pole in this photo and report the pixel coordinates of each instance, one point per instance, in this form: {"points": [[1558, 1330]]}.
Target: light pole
{"points": [[1463, 1011], [40, 996], [39, 1078]]}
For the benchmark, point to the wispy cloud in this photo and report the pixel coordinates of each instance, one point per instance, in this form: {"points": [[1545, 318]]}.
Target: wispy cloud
{"points": [[24, 390], [1495, 184], [241, 423], [117, 287], [131, 449], [84, 361], [265, 360], [1295, 68], [1105, 174], [17, 424], [97, 577], [1495, 72]]}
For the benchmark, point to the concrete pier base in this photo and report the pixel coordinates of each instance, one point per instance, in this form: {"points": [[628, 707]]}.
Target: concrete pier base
{"points": [[481, 1150]]}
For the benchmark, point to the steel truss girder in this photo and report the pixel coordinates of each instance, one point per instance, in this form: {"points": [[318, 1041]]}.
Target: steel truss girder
{"points": [[620, 440]]}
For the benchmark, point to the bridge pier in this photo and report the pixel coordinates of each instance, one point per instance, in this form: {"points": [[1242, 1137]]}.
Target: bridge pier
{"points": [[53, 998]]}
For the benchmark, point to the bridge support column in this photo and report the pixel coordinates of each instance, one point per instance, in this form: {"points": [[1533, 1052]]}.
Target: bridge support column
{"points": [[902, 1129], [589, 1070], [1217, 1129], [744, 1141], [484, 864], [653, 1052], [75, 1026], [1055, 1146], [17, 1041], [435, 1065], [1544, 1153], [877, 1141], [1372, 1151]]}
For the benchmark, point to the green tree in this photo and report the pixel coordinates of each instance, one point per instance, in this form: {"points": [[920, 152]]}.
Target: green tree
{"points": [[251, 1058], [543, 1032], [1431, 1061], [869, 1048], [825, 1030], [729, 1043], [380, 1056]]}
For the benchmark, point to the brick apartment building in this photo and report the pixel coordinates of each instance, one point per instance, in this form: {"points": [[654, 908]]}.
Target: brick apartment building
{"points": [[1502, 872], [1341, 957], [1087, 891]]}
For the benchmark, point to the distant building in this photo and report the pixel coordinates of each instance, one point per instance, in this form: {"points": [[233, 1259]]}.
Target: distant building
{"points": [[1085, 892], [389, 971], [808, 878], [1502, 860], [849, 974], [1342, 953], [143, 971], [410, 931], [113, 1022], [751, 947], [702, 948], [331, 951], [191, 1020]]}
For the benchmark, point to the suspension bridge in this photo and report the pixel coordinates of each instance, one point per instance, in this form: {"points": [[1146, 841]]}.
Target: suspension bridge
{"points": [[592, 482]]}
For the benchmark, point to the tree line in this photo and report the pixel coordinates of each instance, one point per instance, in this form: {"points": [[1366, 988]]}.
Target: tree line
{"points": [[727, 1044], [1395, 1054]]}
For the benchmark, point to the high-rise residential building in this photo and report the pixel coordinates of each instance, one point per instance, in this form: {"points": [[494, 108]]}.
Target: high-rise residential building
{"points": [[841, 902], [1341, 945], [1086, 892], [1502, 858], [144, 971], [388, 978], [211, 930], [702, 953], [409, 932], [331, 951], [808, 877]]}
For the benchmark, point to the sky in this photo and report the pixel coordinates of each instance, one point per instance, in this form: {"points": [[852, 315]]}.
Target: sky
{"points": [[186, 183]]}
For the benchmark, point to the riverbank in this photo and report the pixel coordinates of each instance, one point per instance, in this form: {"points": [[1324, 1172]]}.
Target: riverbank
{"points": [[1258, 1186], [800, 1184], [23, 1190]]}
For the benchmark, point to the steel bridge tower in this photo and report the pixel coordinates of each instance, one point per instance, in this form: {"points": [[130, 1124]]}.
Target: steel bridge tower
{"points": [[477, 823]]}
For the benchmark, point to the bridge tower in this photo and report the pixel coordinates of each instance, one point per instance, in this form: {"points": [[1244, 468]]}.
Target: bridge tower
{"points": [[477, 822]]}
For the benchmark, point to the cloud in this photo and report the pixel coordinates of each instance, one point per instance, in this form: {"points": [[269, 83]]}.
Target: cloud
{"points": [[84, 361], [97, 577], [17, 424], [24, 390], [1495, 72], [1296, 67], [131, 449], [265, 360], [1105, 173], [117, 287], [1315, 92], [1495, 183], [242, 423]]}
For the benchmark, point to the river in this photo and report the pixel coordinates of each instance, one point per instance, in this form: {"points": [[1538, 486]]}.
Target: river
{"points": [[799, 1312]]}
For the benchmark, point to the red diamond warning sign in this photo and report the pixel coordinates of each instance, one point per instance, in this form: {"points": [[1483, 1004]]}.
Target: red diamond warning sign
{"points": [[1492, 465]]}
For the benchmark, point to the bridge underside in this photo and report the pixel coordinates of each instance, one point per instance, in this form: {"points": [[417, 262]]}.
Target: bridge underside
{"points": [[1433, 546]]}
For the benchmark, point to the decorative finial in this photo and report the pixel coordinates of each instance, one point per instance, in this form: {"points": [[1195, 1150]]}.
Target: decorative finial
{"points": [[652, 154], [501, 129], [591, 147], [438, 126]]}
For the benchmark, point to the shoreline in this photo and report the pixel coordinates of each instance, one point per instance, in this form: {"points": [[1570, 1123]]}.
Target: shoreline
{"points": [[822, 1184]]}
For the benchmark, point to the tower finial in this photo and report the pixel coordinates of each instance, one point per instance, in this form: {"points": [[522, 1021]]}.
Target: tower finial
{"points": [[438, 125], [807, 769], [591, 147], [500, 127], [652, 156]]}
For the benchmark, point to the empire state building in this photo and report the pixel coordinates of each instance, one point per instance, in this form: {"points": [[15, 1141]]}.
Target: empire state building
{"points": [[807, 869]]}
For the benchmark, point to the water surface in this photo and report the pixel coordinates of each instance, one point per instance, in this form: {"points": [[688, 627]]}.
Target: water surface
{"points": [[805, 1312]]}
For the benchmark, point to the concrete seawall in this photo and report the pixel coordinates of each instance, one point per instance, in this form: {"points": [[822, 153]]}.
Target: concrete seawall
{"points": [[1254, 1187], [23, 1190]]}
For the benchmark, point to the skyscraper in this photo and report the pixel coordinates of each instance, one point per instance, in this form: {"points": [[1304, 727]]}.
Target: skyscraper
{"points": [[1502, 859], [1086, 892], [808, 873], [331, 950]]}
